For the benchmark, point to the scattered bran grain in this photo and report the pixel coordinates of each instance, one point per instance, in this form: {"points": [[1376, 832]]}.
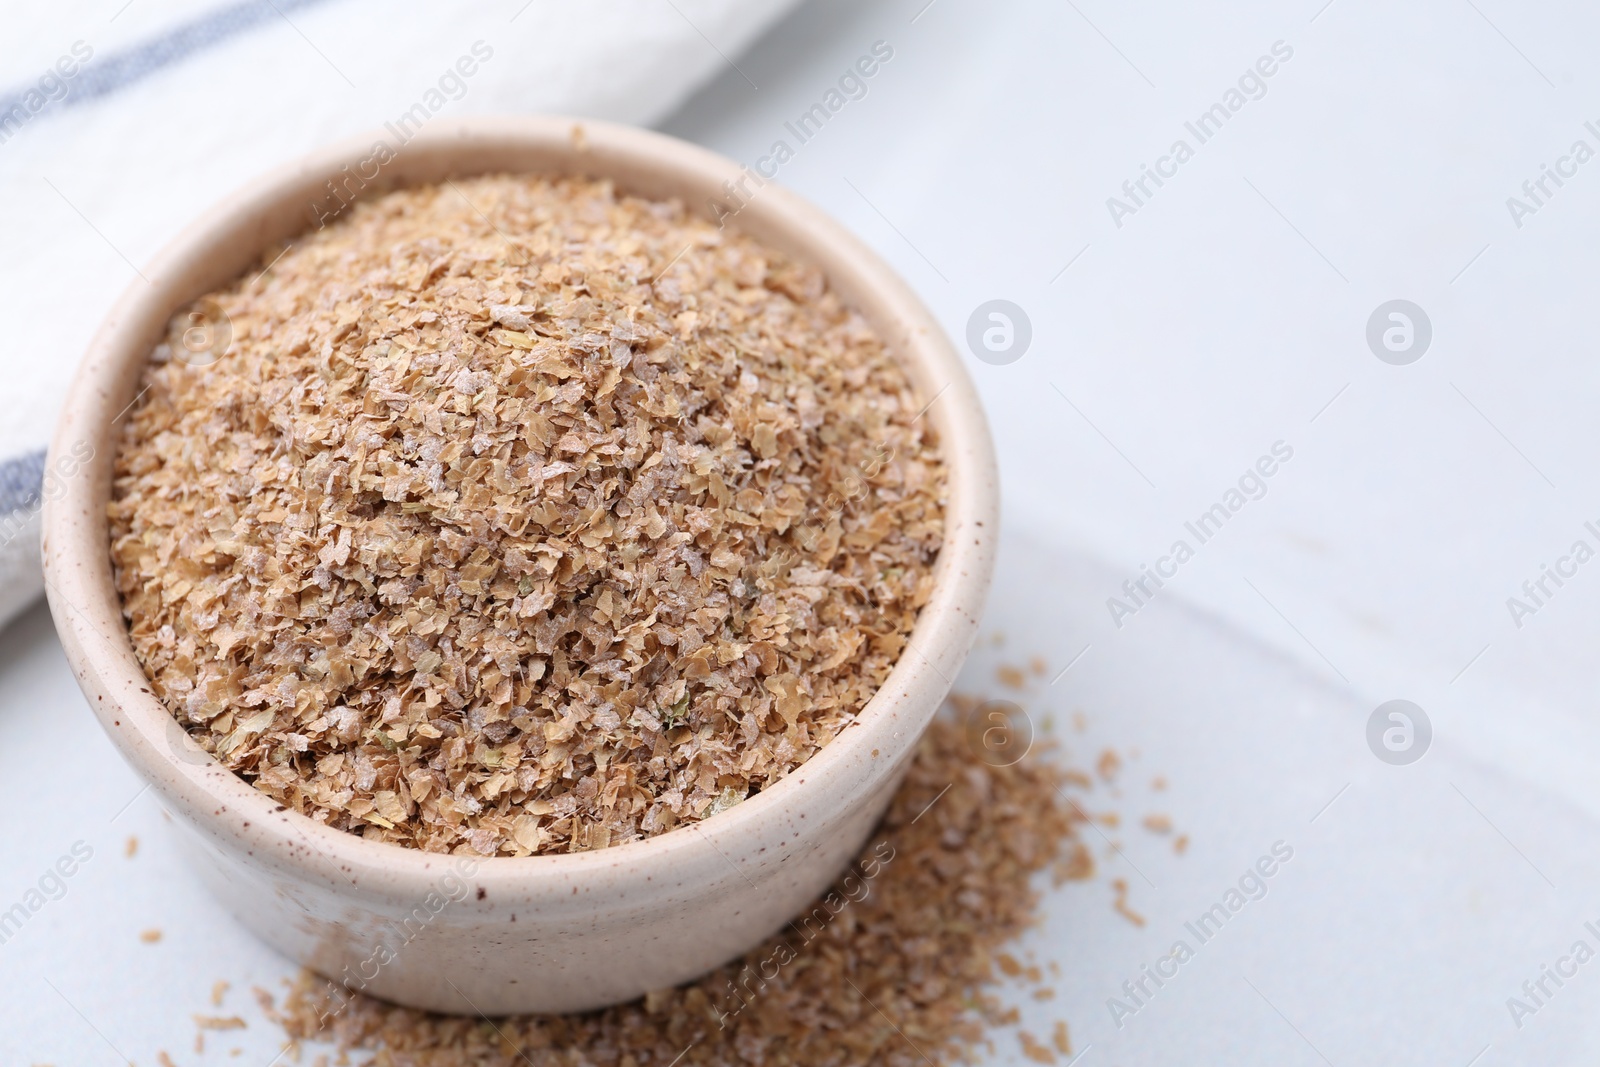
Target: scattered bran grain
{"points": [[219, 1022], [1120, 887], [1032, 1049], [903, 978], [1061, 1040]]}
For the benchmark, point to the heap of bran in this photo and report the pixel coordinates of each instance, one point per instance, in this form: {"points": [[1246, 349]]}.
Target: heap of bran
{"points": [[519, 516]]}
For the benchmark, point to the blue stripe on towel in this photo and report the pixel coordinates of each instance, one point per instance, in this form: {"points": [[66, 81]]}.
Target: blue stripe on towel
{"points": [[104, 76], [21, 482]]}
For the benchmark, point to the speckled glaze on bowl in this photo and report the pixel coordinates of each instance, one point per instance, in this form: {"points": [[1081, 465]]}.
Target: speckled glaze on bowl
{"points": [[543, 933]]}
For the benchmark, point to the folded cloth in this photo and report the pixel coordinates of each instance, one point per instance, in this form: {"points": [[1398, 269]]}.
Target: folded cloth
{"points": [[113, 134], [21, 485]]}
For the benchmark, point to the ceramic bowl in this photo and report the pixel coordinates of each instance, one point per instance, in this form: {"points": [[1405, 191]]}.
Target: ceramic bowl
{"points": [[549, 933]]}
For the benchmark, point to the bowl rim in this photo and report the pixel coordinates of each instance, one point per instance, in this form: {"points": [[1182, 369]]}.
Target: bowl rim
{"points": [[231, 811]]}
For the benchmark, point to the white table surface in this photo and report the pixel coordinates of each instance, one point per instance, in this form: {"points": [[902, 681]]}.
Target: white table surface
{"points": [[1223, 316]]}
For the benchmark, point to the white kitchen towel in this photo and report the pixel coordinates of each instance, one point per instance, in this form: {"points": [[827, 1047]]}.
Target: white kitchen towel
{"points": [[120, 120]]}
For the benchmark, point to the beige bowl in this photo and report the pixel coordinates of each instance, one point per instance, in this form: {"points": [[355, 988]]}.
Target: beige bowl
{"points": [[542, 933]]}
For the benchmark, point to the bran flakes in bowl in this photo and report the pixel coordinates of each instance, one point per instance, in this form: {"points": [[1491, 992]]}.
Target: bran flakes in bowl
{"points": [[523, 516]]}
